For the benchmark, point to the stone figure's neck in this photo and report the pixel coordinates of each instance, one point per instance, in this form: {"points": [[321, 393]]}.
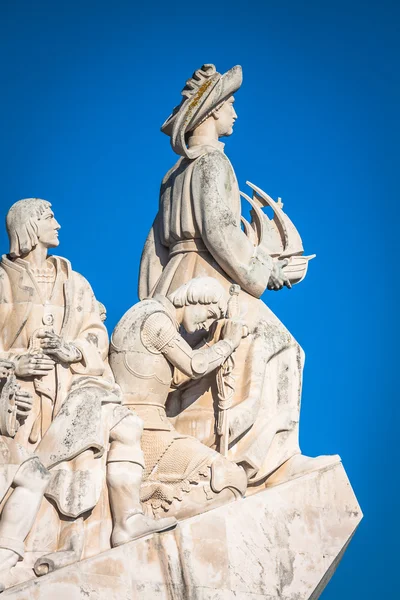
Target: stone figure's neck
{"points": [[37, 258], [205, 140]]}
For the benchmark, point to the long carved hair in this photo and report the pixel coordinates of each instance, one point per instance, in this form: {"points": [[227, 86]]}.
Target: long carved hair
{"points": [[22, 226]]}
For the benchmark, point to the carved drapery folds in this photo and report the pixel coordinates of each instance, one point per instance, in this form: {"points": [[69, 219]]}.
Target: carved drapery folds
{"points": [[193, 404]]}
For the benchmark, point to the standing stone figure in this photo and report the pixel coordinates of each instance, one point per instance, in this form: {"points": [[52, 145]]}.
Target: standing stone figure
{"points": [[197, 232], [50, 327], [183, 477], [19, 469]]}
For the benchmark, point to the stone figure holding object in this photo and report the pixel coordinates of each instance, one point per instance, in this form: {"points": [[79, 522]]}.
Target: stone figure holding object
{"points": [[19, 469], [183, 477], [194, 404], [50, 326], [198, 232]]}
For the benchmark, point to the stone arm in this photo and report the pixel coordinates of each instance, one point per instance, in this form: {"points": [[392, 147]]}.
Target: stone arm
{"points": [[196, 363], [213, 186], [159, 335], [92, 338]]}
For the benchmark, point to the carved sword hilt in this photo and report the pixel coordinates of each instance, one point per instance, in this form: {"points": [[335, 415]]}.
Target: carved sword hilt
{"points": [[225, 381], [233, 302]]}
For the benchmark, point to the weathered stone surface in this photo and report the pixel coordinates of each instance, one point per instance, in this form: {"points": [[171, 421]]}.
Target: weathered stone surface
{"points": [[54, 347], [199, 231], [284, 542], [201, 392], [182, 476]]}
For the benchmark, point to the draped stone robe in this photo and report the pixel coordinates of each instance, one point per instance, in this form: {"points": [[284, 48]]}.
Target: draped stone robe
{"points": [[75, 316], [68, 426], [197, 232]]}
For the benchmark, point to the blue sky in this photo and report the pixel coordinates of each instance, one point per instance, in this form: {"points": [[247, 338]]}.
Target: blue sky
{"points": [[85, 88]]}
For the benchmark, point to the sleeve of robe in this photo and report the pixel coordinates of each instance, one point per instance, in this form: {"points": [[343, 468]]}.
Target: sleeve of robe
{"points": [[92, 339], [213, 183]]}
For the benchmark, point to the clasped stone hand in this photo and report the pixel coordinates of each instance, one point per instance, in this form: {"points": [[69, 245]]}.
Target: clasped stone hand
{"points": [[23, 402], [55, 346], [33, 364], [278, 278], [234, 330]]}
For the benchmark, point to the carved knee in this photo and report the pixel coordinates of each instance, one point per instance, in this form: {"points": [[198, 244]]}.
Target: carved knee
{"points": [[125, 441], [32, 475], [128, 431]]}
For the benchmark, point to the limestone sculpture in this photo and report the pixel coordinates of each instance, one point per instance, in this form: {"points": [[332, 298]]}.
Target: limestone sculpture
{"points": [[191, 413], [18, 468], [198, 232], [183, 477], [51, 328]]}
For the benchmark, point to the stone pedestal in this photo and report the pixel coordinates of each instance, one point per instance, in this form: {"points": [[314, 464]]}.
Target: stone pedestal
{"points": [[283, 542]]}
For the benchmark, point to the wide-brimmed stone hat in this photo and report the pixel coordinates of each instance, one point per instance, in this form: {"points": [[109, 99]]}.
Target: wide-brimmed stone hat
{"points": [[201, 95]]}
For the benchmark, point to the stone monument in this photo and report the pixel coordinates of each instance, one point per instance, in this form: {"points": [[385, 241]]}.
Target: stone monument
{"points": [[187, 422]]}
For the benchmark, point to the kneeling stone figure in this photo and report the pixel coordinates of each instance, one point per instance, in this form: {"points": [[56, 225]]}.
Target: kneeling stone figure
{"points": [[183, 477], [51, 329]]}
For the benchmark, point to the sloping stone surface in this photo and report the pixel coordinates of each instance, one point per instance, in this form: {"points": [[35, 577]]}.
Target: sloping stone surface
{"points": [[281, 543]]}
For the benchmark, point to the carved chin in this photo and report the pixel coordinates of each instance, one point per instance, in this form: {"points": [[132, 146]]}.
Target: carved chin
{"points": [[228, 132]]}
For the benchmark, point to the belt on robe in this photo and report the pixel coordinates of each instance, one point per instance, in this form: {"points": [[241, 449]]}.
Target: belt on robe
{"points": [[193, 245]]}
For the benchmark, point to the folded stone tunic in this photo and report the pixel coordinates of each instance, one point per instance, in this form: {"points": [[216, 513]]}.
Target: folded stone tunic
{"points": [[197, 232]]}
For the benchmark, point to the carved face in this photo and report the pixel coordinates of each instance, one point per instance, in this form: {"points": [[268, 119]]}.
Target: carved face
{"points": [[48, 229], [225, 117], [197, 317]]}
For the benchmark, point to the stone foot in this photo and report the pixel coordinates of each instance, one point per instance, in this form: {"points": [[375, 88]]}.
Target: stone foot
{"points": [[300, 465], [138, 526], [56, 560], [8, 559]]}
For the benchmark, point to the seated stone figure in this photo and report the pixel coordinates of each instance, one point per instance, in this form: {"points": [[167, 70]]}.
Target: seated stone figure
{"points": [[182, 477], [50, 326], [18, 469]]}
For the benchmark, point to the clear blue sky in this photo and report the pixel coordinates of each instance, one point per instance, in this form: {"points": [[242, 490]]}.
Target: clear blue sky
{"points": [[85, 88]]}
